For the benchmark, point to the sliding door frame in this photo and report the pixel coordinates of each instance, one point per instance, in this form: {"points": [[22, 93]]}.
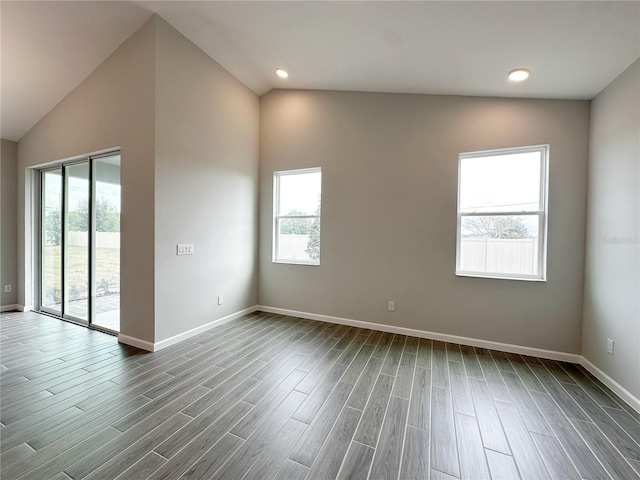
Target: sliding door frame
{"points": [[41, 241], [91, 240], [64, 242], [92, 223]]}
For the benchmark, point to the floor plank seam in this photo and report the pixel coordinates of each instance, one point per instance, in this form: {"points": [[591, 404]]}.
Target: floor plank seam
{"points": [[570, 423]]}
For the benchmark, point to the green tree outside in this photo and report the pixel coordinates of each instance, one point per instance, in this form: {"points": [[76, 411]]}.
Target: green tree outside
{"points": [[107, 217], [52, 223], [107, 220], [502, 226], [295, 226], [313, 245]]}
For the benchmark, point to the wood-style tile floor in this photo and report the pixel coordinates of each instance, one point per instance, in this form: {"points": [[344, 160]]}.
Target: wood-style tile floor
{"points": [[268, 396]]}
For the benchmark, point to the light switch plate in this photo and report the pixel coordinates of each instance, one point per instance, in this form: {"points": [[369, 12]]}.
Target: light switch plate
{"points": [[184, 249]]}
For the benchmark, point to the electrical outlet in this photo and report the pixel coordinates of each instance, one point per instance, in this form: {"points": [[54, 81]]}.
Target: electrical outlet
{"points": [[220, 299], [184, 249], [7, 288], [391, 306], [610, 346]]}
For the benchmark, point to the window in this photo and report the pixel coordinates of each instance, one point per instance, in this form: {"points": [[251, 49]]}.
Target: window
{"points": [[297, 196], [502, 213]]}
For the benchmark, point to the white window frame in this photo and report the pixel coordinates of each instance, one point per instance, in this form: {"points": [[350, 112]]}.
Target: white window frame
{"points": [[542, 213], [276, 218]]}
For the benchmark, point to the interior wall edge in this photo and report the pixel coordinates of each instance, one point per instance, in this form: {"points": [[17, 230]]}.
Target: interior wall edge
{"points": [[618, 389], [8, 308], [24, 308], [136, 342], [202, 328], [167, 342]]}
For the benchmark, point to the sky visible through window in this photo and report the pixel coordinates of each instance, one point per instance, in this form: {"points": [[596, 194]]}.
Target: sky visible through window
{"points": [[300, 193], [78, 189], [502, 183]]}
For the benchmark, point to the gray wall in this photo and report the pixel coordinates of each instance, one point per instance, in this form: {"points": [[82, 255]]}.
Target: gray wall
{"points": [[612, 279], [206, 187], [113, 107], [8, 226], [188, 133], [389, 165]]}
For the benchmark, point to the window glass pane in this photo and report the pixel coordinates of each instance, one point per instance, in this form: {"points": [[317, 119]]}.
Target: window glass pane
{"points": [[77, 241], [107, 242], [51, 296], [501, 244], [299, 194], [299, 239], [500, 183]]}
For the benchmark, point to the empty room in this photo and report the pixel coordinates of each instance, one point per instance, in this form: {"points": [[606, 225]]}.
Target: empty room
{"points": [[305, 240]]}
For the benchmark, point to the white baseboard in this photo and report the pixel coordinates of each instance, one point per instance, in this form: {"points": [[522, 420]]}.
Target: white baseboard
{"points": [[618, 389], [475, 342], [16, 306], [505, 347], [154, 347], [203, 328], [135, 342]]}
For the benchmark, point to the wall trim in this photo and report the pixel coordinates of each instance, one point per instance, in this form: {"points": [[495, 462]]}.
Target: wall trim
{"points": [[618, 389], [202, 328], [24, 308], [475, 342], [10, 307], [135, 342], [167, 342]]}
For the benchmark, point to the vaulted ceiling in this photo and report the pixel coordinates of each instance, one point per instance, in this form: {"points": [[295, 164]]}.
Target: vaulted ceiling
{"points": [[574, 49]]}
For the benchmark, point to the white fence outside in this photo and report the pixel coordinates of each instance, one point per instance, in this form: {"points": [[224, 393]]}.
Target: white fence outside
{"points": [[518, 256], [499, 255], [103, 239], [292, 247]]}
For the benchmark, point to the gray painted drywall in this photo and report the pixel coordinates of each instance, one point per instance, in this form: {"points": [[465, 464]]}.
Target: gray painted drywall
{"points": [[389, 166], [8, 226], [206, 187], [612, 266], [188, 133], [113, 107]]}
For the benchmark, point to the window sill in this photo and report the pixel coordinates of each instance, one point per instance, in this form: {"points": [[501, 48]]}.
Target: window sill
{"points": [[501, 277], [297, 262]]}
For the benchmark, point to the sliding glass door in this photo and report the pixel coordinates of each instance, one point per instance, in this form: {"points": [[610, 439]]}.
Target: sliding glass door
{"points": [[76, 241], [51, 242], [80, 241], [106, 241]]}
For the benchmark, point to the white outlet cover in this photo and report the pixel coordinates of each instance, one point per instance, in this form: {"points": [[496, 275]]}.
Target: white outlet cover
{"points": [[7, 289], [610, 346]]}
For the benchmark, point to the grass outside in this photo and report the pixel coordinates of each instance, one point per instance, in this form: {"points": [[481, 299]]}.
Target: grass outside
{"points": [[107, 272]]}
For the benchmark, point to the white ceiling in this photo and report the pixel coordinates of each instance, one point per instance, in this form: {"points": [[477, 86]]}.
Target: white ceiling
{"points": [[574, 49]]}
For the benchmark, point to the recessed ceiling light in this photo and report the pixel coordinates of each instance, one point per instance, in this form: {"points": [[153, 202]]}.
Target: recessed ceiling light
{"points": [[519, 74], [281, 72]]}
